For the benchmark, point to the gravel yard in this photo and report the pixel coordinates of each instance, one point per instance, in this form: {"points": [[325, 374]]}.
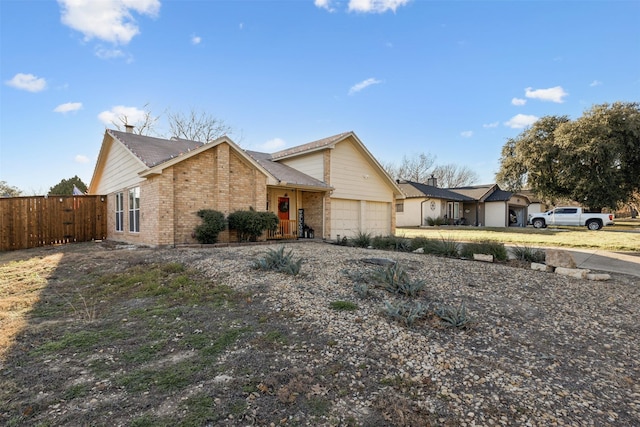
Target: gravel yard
{"points": [[542, 349]]}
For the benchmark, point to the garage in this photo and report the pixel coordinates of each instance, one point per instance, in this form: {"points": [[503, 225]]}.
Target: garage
{"points": [[351, 216]]}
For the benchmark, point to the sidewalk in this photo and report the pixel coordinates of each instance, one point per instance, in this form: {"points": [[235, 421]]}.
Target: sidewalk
{"points": [[612, 262]]}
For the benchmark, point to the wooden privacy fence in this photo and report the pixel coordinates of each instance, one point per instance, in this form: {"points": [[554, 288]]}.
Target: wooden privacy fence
{"points": [[28, 222]]}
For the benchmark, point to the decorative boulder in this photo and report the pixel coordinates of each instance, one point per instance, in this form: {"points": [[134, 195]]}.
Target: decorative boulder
{"points": [[559, 258]]}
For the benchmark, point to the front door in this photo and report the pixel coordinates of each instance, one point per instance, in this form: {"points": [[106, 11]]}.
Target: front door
{"points": [[283, 214]]}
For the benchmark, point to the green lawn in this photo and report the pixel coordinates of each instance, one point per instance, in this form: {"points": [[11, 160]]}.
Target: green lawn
{"points": [[624, 236]]}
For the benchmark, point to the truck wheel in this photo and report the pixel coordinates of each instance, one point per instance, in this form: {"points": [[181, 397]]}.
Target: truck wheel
{"points": [[594, 225], [538, 223]]}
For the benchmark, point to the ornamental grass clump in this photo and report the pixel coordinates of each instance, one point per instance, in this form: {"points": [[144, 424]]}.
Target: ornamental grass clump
{"points": [[278, 260], [362, 239], [496, 249], [526, 253]]}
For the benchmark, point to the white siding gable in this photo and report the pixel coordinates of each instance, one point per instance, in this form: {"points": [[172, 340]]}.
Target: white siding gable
{"points": [[121, 170], [311, 164], [353, 177]]}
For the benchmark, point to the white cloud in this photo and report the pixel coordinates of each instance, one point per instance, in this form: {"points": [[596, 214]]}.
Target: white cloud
{"points": [[466, 134], [81, 158], [520, 121], [491, 125], [553, 94], [68, 107], [108, 20], [324, 4], [375, 6], [114, 115], [27, 82], [363, 84], [518, 101], [274, 144], [595, 83], [107, 53], [196, 39]]}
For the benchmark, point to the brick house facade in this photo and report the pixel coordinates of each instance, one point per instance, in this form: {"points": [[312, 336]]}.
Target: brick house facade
{"points": [[155, 187]]}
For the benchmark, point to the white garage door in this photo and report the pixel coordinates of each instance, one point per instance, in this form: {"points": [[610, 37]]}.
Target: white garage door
{"points": [[345, 217], [348, 217]]}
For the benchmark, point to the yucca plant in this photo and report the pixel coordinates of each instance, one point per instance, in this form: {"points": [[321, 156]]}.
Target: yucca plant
{"points": [[278, 260], [454, 316], [407, 312], [526, 253]]}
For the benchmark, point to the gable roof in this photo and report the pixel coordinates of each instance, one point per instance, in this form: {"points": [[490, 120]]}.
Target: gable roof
{"points": [[153, 151], [476, 192], [286, 174], [311, 146], [415, 189]]}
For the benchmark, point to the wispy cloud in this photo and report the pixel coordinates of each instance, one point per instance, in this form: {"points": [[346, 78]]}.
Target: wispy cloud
{"points": [[518, 101], [108, 53], [68, 107], [27, 82], [196, 40], [595, 83], [520, 121], [553, 94], [363, 6], [81, 158], [466, 134], [375, 6], [363, 84], [119, 112], [491, 125], [107, 20]]}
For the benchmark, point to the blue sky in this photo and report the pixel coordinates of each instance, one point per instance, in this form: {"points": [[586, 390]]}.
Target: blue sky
{"points": [[453, 79]]}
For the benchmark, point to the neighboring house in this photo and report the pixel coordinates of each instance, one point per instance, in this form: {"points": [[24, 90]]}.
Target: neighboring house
{"points": [[156, 186], [481, 205]]}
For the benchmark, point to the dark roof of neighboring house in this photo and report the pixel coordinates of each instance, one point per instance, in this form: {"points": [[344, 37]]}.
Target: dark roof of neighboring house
{"points": [[476, 192], [499, 196], [416, 189], [153, 151], [311, 146], [284, 173]]}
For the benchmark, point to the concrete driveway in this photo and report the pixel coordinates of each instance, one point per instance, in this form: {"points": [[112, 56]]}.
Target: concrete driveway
{"points": [[612, 262]]}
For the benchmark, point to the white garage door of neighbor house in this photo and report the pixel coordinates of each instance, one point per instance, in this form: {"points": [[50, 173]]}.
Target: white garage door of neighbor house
{"points": [[351, 216]]}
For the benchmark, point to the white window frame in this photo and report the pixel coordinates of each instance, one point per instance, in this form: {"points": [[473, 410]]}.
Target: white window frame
{"points": [[453, 210], [119, 222], [134, 210]]}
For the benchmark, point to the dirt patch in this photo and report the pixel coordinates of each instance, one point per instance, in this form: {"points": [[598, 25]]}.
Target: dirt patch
{"points": [[97, 334]]}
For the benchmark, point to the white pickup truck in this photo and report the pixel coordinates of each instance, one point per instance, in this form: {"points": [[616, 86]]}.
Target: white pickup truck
{"points": [[570, 216]]}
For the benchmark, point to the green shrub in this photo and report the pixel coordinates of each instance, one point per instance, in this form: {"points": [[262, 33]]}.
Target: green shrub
{"points": [[496, 249], [391, 243], [343, 305], [443, 247], [435, 221], [362, 239], [405, 312], [278, 260], [361, 289], [251, 224], [525, 253], [454, 316], [213, 223]]}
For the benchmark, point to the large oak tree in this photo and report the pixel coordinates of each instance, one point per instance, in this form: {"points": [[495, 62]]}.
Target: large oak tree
{"points": [[593, 160]]}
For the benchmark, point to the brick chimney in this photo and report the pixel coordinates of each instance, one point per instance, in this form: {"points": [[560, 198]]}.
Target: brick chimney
{"points": [[129, 128]]}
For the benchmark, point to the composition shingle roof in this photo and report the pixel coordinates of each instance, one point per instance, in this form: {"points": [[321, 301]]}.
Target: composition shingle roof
{"points": [[285, 173], [153, 151], [416, 189], [476, 192], [325, 142]]}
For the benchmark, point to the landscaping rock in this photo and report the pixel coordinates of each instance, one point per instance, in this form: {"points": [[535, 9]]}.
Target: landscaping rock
{"points": [[598, 277], [483, 257], [419, 251], [541, 267], [379, 261], [578, 273], [559, 258]]}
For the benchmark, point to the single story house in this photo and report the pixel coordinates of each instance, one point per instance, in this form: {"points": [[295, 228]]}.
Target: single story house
{"points": [[480, 205], [155, 187]]}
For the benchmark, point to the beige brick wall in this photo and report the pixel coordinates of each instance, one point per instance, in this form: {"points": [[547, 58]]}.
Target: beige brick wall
{"points": [[312, 205]]}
